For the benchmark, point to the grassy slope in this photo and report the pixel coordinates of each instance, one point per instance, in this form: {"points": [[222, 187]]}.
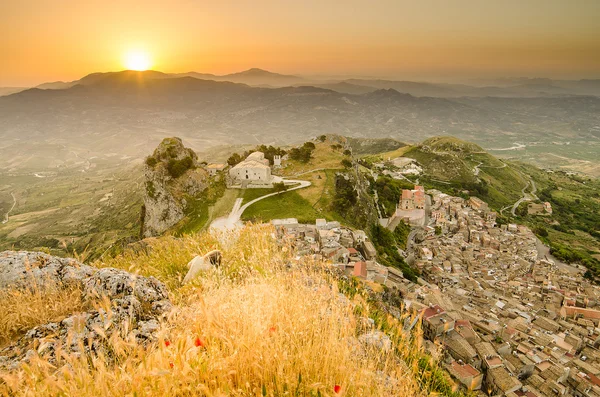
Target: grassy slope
{"points": [[365, 146], [259, 334], [323, 157], [449, 162]]}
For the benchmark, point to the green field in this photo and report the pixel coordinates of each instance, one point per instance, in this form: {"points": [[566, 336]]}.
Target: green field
{"points": [[286, 205]]}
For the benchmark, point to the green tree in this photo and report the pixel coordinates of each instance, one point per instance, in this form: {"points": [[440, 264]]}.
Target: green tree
{"points": [[279, 187], [234, 159], [346, 163]]}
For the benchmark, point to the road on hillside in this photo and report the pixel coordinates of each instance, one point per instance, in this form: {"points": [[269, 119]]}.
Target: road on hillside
{"points": [[526, 196], [544, 253], [11, 208], [233, 219]]}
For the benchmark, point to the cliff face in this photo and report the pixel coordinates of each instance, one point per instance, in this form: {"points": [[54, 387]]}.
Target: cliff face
{"points": [[173, 175]]}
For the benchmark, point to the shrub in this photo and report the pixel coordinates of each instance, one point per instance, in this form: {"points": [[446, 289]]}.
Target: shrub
{"points": [[151, 161], [234, 159], [177, 168]]}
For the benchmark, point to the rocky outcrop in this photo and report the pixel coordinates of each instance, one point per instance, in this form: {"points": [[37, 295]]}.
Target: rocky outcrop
{"points": [[133, 306], [173, 177]]}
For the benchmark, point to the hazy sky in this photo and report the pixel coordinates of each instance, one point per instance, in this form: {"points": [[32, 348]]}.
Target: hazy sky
{"points": [[48, 40]]}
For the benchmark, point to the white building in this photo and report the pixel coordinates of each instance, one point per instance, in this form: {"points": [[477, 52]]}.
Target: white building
{"points": [[214, 168], [255, 169]]}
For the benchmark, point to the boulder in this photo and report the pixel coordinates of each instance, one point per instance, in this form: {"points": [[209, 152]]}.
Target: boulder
{"points": [[134, 306], [28, 269]]}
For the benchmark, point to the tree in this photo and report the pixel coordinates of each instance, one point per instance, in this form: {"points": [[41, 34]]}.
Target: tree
{"points": [[309, 145], [347, 152], [346, 163], [280, 187], [322, 138], [540, 231], [234, 159], [303, 153]]}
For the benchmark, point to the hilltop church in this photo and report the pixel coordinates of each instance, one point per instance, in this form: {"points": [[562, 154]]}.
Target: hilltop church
{"points": [[254, 169]]}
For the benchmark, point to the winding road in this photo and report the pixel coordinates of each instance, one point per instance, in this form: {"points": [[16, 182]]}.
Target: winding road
{"points": [[526, 196], [11, 208], [233, 219]]}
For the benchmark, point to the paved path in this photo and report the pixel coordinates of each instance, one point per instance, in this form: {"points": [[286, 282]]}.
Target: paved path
{"points": [[233, 219], [526, 196], [308, 172], [11, 208]]}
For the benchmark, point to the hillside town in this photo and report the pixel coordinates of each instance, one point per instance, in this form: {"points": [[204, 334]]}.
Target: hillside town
{"points": [[508, 320]]}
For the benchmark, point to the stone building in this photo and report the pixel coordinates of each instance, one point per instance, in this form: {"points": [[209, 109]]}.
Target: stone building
{"points": [[254, 169]]}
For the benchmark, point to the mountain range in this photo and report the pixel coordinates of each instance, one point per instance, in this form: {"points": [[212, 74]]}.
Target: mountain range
{"points": [[125, 114], [507, 87]]}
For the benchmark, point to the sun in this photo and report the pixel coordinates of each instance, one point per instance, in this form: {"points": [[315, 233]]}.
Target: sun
{"points": [[137, 60]]}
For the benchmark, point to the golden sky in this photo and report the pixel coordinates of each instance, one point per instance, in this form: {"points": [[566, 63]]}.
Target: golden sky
{"points": [[49, 40]]}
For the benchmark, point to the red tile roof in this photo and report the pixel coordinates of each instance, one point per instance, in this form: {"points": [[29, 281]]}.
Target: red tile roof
{"points": [[432, 311], [464, 371], [407, 194], [360, 269]]}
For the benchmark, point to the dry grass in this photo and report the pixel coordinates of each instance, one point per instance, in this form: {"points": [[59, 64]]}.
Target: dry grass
{"points": [[261, 325], [323, 157], [25, 309]]}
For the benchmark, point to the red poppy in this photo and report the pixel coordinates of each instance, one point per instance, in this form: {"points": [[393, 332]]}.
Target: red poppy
{"points": [[337, 389], [167, 343], [198, 342], [171, 365], [272, 330]]}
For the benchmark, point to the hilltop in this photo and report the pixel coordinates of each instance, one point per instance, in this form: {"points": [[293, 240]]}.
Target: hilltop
{"points": [[450, 145]]}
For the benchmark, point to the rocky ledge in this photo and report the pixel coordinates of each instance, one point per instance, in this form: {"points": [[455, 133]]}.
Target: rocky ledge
{"points": [[134, 306]]}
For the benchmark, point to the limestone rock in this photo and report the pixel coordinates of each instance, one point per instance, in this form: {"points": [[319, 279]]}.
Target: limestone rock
{"points": [[172, 175], [26, 269], [135, 306], [376, 339]]}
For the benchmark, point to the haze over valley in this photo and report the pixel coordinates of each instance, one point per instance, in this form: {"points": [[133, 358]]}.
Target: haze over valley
{"points": [[93, 117]]}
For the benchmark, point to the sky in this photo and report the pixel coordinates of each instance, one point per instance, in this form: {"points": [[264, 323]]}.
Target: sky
{"points": [[438, 40]]}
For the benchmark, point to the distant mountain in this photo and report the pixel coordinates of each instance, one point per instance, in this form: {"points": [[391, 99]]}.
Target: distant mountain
{"points": [[257, 76], [528, 88], [112, 115], [11, 90], [345, 87], [253, 77]]}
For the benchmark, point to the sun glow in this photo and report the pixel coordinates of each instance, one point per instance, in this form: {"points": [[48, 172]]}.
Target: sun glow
{"points": [[137, 60]]}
